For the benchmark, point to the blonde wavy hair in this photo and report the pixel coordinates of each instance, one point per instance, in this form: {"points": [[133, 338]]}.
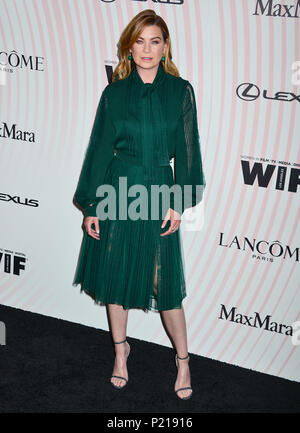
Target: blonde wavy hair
{"points": [[130, 35]]}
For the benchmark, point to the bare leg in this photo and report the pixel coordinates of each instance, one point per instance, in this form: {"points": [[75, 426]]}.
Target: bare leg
{"points": [[118, 318], [176, 326]]}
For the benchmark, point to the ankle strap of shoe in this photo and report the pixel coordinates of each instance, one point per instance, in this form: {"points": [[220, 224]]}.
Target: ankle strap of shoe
{"points": [[186, 357], [119, 342]]}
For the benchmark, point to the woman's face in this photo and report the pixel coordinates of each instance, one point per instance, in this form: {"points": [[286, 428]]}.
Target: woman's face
{"points": [[149, 48]]}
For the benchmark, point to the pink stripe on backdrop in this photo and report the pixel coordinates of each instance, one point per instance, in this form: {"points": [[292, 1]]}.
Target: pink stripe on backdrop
{"points": [[74, 72], [243, 195], [200, 104], [193, 46], [287, 157], [221, 178], [11, 113], [266, 270], [10, 45], [69, 61], [283, 317], [56, 72], [51, 90], [276, 204]]}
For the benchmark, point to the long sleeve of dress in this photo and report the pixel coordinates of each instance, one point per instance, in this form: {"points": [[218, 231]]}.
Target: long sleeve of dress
{"points": [[97, 157], [188, 168]]}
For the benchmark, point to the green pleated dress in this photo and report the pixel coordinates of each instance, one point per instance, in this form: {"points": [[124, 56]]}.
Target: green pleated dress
{"points": [[139, 127]]}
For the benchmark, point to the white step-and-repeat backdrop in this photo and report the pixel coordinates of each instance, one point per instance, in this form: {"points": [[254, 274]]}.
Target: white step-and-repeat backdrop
{"points": [[242, 265]]}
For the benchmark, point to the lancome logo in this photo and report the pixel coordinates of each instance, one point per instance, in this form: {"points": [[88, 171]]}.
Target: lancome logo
{"points": [[276, 10], [255, 321], [16, 60], [16, 134], [260, 249]]}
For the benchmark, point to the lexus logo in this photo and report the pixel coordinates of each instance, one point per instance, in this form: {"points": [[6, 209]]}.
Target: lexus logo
{"points": [[250, 92]]}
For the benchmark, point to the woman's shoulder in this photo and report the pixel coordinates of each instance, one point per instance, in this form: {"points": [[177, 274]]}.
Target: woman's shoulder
{"points": [[112, 86], [179, 85], [112, 91], [179, 80]]}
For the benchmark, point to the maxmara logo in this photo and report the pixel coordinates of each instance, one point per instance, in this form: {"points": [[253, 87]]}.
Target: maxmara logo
{"points": [[261, 250], [255, 321], [171, 2], [272, 9], [16, 134]]}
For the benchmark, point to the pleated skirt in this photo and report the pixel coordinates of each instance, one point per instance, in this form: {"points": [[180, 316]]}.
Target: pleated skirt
{"points": [[132, 264]]}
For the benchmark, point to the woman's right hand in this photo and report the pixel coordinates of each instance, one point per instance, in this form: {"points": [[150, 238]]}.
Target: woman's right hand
{"points": [[88, 221]]}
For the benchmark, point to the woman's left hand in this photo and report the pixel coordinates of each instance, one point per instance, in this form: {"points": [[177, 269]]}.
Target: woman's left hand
{"points": [[175, 220]]}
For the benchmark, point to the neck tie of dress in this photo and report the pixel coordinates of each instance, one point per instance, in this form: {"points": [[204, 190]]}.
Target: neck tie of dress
{"points": [[147, 105]]}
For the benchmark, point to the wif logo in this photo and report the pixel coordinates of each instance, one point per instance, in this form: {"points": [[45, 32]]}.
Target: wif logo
{"points": [[284, 178], [12, 263]]}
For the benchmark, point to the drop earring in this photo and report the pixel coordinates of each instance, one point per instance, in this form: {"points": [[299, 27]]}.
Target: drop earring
{"points": [[163, 58], [130, 57]]}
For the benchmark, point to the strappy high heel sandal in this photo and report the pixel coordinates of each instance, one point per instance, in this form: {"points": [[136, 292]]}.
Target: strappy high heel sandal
{"points": [[120, 377], [186, 387]]}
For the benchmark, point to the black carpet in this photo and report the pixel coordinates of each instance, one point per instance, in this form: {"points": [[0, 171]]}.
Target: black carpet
{"points": [[50, 365]]}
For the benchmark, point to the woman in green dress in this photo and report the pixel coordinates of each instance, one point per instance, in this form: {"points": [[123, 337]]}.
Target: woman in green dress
{"points": [[131, 255]]}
